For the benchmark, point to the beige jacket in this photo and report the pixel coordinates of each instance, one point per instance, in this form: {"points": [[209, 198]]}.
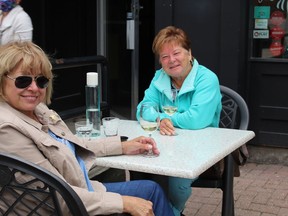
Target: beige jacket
{"points": [[29, 139]]}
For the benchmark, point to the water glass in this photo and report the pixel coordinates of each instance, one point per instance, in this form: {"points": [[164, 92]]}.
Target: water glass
{"points": [[83, 128], [110, 126]]}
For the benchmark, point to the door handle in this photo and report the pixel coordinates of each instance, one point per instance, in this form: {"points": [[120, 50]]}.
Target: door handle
{"points": [[130, 32]]}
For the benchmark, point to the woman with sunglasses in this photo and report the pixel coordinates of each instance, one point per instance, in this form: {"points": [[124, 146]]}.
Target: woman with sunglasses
{"points": [[32, 131], [15, 23]]}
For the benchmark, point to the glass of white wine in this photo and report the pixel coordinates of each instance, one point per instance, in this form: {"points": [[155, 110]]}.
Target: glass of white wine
{"points": [[149, 121], [169, 101]]}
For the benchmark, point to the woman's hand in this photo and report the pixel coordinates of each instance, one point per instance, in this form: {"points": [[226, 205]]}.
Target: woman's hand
{"points": [[139, 145], [166, 127], [137, 206]]}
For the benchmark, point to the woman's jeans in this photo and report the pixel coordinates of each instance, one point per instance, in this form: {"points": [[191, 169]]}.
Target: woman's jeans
{"points": [[145, 189]]}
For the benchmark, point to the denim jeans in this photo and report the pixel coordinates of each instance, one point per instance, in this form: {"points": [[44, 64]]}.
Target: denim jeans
{"points": [[145, 189], [178, 190]]}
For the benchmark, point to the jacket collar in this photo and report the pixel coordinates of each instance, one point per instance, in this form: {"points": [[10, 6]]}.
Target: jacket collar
{"points": [[22, 116], [164, 81], [46, 117]]}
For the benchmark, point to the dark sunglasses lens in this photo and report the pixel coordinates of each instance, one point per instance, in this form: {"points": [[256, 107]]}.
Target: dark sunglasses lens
{"points": [[23, 81], [42, 81]]}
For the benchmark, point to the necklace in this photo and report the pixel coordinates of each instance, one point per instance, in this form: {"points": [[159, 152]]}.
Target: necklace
{"points": [[175, 85]]}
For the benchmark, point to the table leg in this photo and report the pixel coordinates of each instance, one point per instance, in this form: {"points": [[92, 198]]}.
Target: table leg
{"points": [[228, 198]]}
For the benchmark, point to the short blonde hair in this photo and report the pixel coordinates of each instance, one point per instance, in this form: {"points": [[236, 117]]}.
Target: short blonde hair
{"points": [[170, 34], [30, 57]]}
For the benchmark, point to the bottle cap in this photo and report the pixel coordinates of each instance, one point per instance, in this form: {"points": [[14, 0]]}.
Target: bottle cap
{"points": [[92, 79]]}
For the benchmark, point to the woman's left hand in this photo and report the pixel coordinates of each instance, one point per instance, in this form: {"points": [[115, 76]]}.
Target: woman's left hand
{"points": [[139, 145], [166, 127]]}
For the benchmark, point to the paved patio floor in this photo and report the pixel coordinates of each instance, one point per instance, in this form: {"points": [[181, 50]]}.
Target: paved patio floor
{"points": [[261, 190]]}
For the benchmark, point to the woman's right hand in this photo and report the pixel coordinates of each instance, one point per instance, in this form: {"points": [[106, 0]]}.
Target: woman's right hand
{"points": [[139, 145], [137, 206], [166, 127]]}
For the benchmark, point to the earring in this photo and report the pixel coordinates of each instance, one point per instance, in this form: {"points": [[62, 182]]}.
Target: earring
{"points": [[192, 61]]}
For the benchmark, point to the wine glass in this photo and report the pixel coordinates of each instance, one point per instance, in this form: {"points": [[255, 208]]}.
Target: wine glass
{"points": [[149, 120], [169, 101]]}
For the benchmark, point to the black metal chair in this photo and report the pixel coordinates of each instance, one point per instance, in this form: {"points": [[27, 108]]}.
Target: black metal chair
{"points": [[235, 115], [37, 196]]}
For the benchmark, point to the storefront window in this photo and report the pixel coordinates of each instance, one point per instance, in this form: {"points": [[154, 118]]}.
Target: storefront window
{"points": [[269, 29]]}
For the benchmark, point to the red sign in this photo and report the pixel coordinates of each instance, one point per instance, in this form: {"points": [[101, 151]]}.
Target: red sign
{"points": [[277, 18], [276, 48], [277, 33]]}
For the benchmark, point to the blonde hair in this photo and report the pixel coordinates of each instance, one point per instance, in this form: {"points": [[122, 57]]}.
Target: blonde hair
{"points": [[170, 34], [30, 57]]}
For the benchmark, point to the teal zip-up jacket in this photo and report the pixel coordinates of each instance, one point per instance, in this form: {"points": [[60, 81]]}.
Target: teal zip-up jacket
{"points": [[199, 98]]}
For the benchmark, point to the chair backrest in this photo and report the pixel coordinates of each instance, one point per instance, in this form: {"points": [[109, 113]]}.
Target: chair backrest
{"points": [[37, 193], [235, 113]]}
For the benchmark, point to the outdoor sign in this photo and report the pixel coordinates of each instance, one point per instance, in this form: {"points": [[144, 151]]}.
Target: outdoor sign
{"points": [[261, 34], [276, 48], [261, 23], [277, 18], [277, 33], [261, 12]]}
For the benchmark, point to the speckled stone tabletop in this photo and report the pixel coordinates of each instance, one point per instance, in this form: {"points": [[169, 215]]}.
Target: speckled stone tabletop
{"points": [[186, 155]]}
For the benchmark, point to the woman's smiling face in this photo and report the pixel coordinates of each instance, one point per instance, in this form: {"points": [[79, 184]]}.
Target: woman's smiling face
{"points": [[175, 60], [26, 99]]}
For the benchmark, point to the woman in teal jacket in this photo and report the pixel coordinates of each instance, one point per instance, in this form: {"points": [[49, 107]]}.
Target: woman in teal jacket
{"points": [[199, 97]]}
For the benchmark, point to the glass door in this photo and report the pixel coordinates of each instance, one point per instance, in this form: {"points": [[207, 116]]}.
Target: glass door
{"points": [[118, 40], [121, 25]]}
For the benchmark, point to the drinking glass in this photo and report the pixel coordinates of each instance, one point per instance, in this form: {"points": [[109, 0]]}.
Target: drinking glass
{"points": [[149, 121], [169, 101], [110, 126], [83, 128]]}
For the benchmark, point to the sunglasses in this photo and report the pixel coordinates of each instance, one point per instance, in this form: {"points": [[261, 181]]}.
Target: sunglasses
{"points": [[22, 82]]}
